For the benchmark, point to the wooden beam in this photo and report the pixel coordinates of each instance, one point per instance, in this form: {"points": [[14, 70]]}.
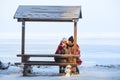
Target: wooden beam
{"points": [[75, 37], [48, 55], [45, 20], [50, 63], [23, 41], [75, 44]]}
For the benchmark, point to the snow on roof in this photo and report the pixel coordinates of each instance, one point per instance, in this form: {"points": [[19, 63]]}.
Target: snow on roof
{"points": [[48, 13]]}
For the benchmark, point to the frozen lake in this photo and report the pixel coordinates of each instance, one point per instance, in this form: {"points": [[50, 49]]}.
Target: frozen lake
{"points": [[90, 54], [100, 62]]}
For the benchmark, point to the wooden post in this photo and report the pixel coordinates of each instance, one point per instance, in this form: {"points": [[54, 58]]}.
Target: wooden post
{"points": [[75, 43], [23, 41], [75, 37]]}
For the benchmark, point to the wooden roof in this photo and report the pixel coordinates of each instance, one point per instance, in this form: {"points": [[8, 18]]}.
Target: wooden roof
{"points": [[48, 13]]}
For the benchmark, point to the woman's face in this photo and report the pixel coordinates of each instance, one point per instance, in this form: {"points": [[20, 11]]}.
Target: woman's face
{"points": [[64, 42]]}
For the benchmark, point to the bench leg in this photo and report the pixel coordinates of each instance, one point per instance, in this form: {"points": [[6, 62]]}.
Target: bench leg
{"points": [[27, 70]]}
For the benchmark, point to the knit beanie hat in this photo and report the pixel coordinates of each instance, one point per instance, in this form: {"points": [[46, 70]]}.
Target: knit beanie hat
{"points": [[71, 39], [64, 39]]}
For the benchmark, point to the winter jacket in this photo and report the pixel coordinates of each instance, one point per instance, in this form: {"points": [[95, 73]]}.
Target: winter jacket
{"points": [[79, 61], [60, 50]]}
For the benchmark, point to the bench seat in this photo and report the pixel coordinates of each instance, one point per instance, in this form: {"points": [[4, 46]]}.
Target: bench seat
{"points": [[50, 63], [48, 55]]}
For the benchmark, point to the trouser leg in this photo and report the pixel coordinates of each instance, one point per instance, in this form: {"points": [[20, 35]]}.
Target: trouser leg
{"points": [[77, 70], [60, 69]]}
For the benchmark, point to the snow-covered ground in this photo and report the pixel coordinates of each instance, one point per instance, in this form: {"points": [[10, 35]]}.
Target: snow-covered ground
{"points": [[100, 62], [97, 72]]}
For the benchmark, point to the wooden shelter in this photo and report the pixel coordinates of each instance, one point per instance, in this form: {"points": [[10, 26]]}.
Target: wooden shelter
{"points": [[33, 13]]}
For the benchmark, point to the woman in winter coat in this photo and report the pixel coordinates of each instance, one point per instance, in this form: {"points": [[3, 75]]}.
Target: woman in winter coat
{"points": [[61, 50]]}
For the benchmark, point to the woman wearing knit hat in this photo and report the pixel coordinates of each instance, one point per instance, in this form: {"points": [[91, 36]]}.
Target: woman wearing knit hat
{"points": [[61, 50]]}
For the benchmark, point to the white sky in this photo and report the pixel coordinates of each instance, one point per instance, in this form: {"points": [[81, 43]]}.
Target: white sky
{"points": [[101, 19]]}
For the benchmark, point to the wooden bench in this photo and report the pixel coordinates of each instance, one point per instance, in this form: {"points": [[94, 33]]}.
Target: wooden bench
{"points": [[27, 63]]}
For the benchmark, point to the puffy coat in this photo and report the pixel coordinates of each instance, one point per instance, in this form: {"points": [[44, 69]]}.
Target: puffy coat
{"points": [[79, 61], [60, 49]]}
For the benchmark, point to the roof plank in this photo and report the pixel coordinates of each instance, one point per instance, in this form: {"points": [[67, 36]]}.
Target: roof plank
{"points": [[48, 13]]}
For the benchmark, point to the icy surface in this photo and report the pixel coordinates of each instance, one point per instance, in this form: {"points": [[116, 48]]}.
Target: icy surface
{"points": [[100, 62], [97, 72]]}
